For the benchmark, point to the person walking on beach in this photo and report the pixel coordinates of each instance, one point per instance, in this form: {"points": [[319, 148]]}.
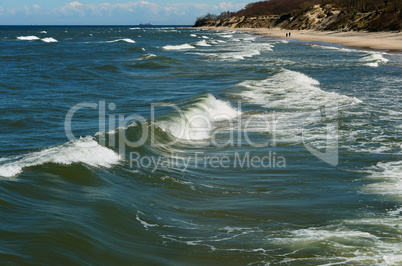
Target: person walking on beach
{"points": [[286, 34], [289, 34]]}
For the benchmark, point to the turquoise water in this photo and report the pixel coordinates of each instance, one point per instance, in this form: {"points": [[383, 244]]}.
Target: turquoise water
{"points": [[176, 146]]}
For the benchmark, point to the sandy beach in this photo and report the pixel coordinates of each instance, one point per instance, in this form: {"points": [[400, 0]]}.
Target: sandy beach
{"points": [[387, 41]]}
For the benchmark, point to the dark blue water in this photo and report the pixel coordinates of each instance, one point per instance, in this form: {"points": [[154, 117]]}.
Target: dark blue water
{"points": [[170, 145]]}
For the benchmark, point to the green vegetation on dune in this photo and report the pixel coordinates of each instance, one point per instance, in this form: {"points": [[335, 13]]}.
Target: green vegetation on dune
{"points": [[369, 15]]}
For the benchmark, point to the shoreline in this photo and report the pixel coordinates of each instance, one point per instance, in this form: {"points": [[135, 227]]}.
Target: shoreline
{"points": [[383, 41]]}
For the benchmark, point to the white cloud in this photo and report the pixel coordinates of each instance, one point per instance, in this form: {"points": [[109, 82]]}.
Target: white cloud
{"points": [[70, 9], [125, 13]]}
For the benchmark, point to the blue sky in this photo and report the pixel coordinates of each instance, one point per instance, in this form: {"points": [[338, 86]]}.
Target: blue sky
{"points": [[110, 12]]}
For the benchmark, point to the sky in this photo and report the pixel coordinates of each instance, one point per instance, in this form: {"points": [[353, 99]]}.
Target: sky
{"points": [[110, 12]]}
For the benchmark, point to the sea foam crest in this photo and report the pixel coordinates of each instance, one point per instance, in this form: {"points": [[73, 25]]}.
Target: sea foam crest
{"points": [[346, 244], [291, 90], [28, 38], [196, 120], [50, 39], [178, 47], [390, 174], [327, 47], [202, 43], [374, 59], [122, 40], [84, 150]]}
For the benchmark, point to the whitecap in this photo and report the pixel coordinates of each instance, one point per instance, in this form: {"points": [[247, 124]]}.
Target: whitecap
{"points": [[291, 90], [43, 31], [202, 43], [84, 150], [48, 40], [28, 38], [146, 57], [374, 59], [185, 46], [327, 47], [196, 122], [390, 176], [122, 40], [230, 56]]}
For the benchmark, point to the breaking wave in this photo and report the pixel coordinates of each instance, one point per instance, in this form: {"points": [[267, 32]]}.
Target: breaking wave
{"points": [[84, 150], [28, 38], [122, 40], [374, 59], [196, 120], [291, 90], [185, 46]]}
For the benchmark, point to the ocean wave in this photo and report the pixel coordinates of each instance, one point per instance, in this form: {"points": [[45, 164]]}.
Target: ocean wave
{"points": [[374, 59], [390, 174], [291, 90], [196, 122], [122, 40], [146, 57], [230, 56], [185, 46], [28, 38], [49, 40], [84, 150], [333, 48], [202, 43], [227, 36], [349, 243], [43, 32], [193, 35]]}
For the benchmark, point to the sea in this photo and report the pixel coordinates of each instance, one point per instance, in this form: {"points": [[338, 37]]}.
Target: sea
{"points": [[172, 145]]}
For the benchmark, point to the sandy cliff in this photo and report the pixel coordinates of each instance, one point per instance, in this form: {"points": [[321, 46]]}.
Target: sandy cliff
{"points": [[316, 18]]}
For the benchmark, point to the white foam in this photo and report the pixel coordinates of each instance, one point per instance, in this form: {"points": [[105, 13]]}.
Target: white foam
{"points": [[227, 36], [28, 38], [84, 150], [332, 48], [48, 40], [193, 35], [390, 174], [122, 40], [43, 31], [145, 224], [196, 121], [205, 37], [134, 28], [346, 245], [185, 46], [146, 57], [229, 56], [202, 43], [374, 59], [291, 90]]}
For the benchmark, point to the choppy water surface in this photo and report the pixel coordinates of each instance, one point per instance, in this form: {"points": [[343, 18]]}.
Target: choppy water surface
{"points": [[282, 151]]}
